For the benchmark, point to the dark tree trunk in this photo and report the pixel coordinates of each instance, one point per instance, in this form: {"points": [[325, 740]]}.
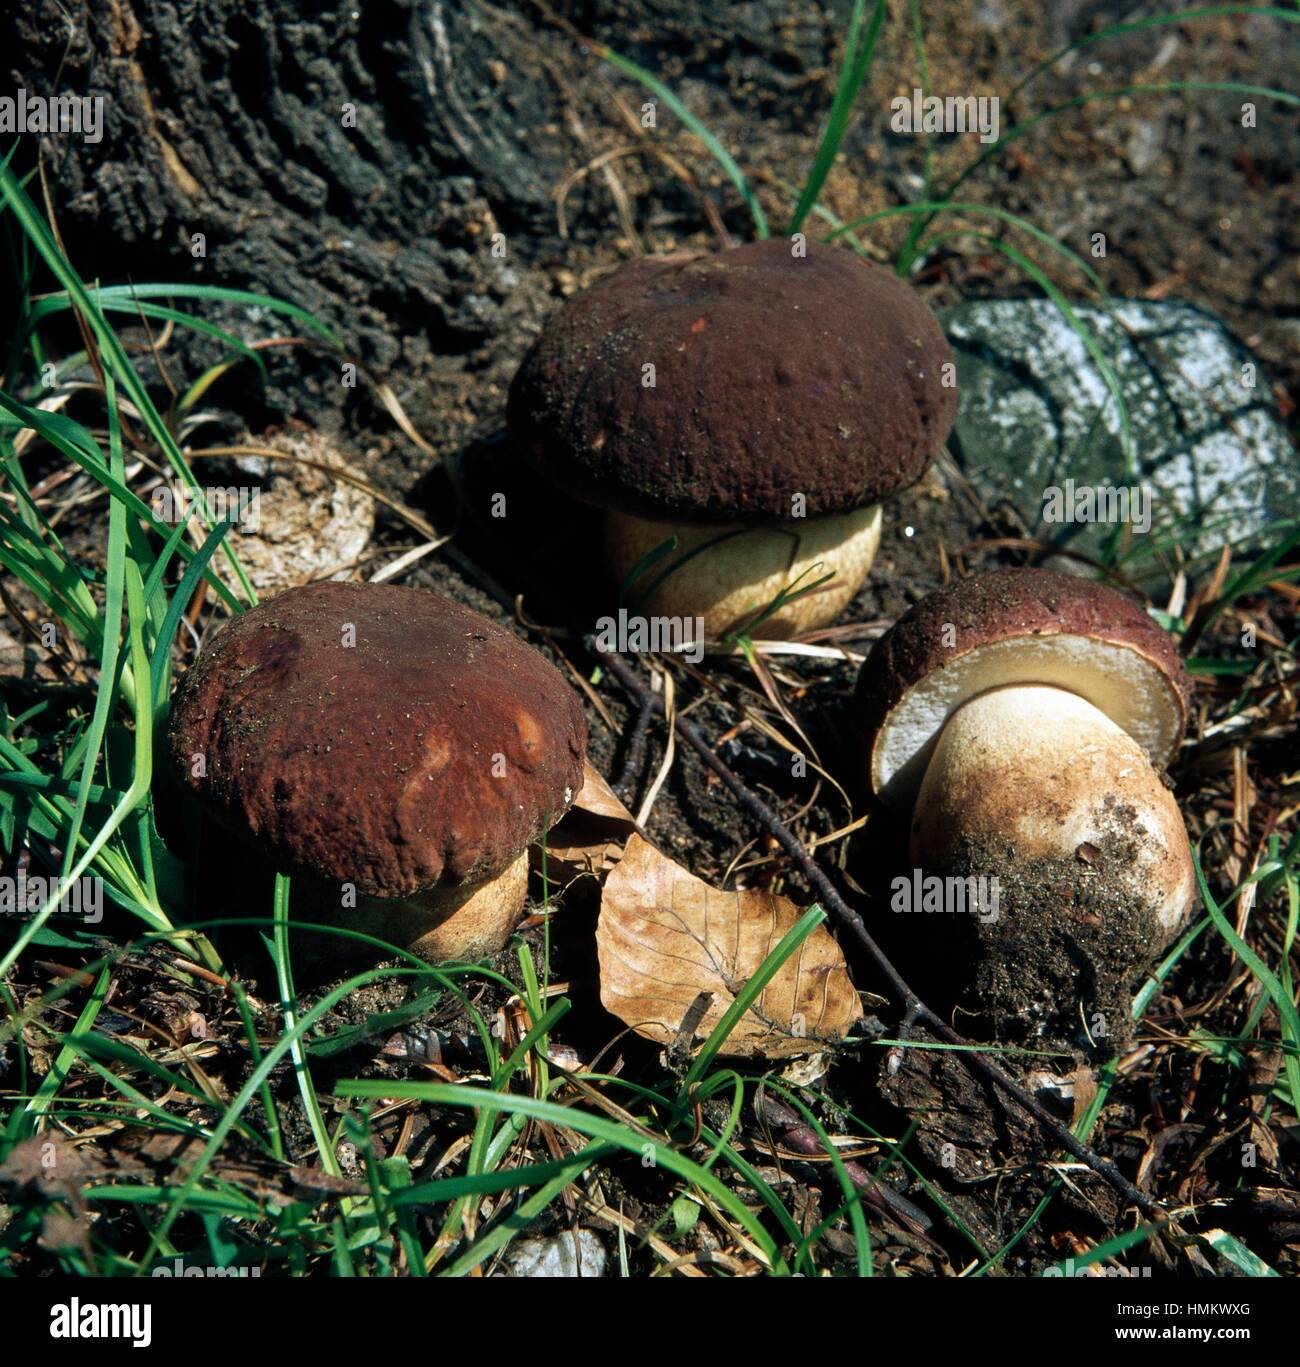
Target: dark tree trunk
{"points": [[229, 118]]}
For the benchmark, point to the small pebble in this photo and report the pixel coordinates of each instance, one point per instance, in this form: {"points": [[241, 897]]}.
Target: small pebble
{"points": [[557, 1256]]}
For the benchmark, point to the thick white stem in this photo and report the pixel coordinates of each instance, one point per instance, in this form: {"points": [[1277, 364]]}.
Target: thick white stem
{"points": [[1026, 773]]}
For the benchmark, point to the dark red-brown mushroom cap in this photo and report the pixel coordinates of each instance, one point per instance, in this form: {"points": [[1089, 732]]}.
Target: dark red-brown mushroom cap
{"points": [[1015, 626], [377, 735], [774, 375]]}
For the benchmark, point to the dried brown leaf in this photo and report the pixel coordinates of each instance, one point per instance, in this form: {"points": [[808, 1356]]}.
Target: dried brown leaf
{"points": [[591, 837], [1085, 1089], [665, 937]]}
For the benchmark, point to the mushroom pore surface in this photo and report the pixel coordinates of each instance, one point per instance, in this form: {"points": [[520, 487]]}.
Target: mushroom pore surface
{"points": [[1014, 626]]}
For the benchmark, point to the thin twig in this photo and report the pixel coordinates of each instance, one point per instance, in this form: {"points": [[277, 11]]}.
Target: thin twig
{"points": [[634, 760], [913, 1006], [880, 1196]]}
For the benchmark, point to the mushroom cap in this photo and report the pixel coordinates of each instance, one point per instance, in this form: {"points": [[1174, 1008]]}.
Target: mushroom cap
{"points": [[1016, 626], [432, 750], [775, 375]]}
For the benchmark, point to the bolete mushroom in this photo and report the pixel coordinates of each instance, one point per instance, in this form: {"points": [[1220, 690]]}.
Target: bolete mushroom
{"points": [[757, 405], [394, 750], [1022, 718]]}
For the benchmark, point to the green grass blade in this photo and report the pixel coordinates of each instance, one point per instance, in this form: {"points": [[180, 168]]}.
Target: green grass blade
{"points": [[750, 993], [110, 632], [1163, 88], [117, 295], [934, 208], [1281, 999], [115, 357], [716, 149], [69, 1053], [853, 71], [1082, 331], [279, 951], [1142, 25], [593, 1126]]}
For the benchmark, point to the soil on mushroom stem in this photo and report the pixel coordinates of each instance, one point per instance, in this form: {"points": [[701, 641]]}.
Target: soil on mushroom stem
{"points": [[1056, 964]]}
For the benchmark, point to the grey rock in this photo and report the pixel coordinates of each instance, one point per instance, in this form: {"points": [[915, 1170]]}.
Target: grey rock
{"points": [[559, 1256], [1210, 455]]}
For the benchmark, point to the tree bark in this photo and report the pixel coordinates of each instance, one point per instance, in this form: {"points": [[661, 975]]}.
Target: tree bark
{"points": [[360, 159]]}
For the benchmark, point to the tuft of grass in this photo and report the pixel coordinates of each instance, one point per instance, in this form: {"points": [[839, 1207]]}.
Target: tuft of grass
{"points": [[859, 48], [719, 153]]}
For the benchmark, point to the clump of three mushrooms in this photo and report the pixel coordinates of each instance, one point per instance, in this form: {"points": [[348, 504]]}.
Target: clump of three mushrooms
{"points": [[756, 405], [1023, 718], [1018, 714], [394, 750]]}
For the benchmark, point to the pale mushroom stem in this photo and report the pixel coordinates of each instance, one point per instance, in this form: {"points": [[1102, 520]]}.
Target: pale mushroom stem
{"points": [[1028, 773], [735, 573], [466, 921], [469, 922]]}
